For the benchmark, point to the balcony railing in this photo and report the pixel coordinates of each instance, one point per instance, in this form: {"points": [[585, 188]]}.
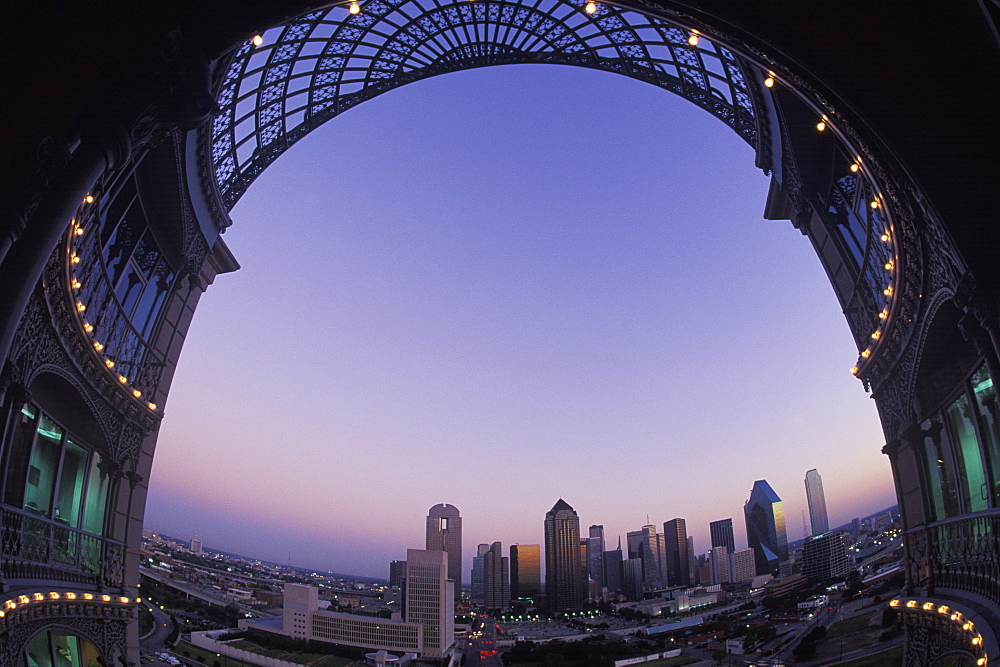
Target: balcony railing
{"points": [[33, 547], [962, 553]]}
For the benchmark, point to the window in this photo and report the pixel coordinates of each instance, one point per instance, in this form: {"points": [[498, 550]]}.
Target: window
{"points": [[58, 649], [962, 451], [54, 476]]}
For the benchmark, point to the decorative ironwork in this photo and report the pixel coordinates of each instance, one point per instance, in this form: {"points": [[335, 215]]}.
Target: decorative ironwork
{"points": [[961, 553], [317, 66], [32, 547], [105, 625]]}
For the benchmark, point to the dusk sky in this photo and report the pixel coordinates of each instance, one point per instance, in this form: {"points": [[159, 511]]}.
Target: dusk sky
{"points": [[494, 289]]}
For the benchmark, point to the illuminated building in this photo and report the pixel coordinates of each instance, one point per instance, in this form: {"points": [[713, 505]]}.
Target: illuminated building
{"points": [[525, 571], [765, 517]]}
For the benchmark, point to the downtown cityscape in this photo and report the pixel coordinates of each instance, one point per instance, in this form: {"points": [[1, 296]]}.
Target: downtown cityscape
{"points": [[554, 333], [651, 591]]}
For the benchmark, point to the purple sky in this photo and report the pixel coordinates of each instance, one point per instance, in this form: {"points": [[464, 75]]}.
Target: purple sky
{"points": [[495, 289]]}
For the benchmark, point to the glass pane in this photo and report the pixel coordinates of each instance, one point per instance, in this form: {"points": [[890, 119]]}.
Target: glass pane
{"points": [[66, 651], [970, 461], [39, 652], [153, 298], [42, 468], [20, 451], [97, 495], [122, 242], [986, 407], [70, 497], [942, 496], [129, 288], [89, 656]]}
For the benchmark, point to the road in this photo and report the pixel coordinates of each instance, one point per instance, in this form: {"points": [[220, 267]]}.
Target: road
{"points": [[481, 644]]}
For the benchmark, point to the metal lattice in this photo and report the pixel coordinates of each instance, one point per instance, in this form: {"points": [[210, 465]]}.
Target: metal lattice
{"points": [[317, 66]]}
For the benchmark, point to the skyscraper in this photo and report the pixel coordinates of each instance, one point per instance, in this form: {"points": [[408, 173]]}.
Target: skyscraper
{"points": [[765, 518], [525, 571], [429, 598], [647, 545], [722, 534], [478, 595], [817, 503], [675, 548], [718, 559], [496, 578], [595, 555], [444, 533], [563, 566], [613, 569], [397, 572]]}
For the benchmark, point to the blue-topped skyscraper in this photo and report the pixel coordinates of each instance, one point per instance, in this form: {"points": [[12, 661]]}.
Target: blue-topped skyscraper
{"points": [[817, 503], [765, 517]]}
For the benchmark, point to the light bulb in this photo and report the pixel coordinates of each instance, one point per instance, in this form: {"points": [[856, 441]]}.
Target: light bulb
{"points": [[355, 8], [591, 7]]}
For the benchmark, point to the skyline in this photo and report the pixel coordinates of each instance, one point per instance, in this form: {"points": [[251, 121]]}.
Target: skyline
{"points": [[580, 315]]}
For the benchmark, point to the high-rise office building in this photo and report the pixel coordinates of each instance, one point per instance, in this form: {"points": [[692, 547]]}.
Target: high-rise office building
{"points": [[563, 566], [444, 533], [525, 571], [612, 561], [595, 555], [765, 519], [675, 548], [478, 595], [430, 598], [647, 545], [397, 572], [692, 561], [496, 578], [632, 578], [722, 534], [825, 557], [196, 546], [817, 503]]}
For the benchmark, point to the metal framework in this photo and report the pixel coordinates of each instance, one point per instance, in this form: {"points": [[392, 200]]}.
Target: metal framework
{"points": [[314, 67]]}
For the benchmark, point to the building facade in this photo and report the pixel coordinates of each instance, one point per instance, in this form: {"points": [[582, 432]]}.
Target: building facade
{"points": [[525, 571], [722, 534], [675, 547], [817, 503], [765, 518], [444, 533], [496, 578], [162, 117], [430, 599], [595, 555], [565, 570], [825, 557]]}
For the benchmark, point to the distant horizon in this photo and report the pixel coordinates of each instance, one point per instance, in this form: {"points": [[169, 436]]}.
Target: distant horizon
{"points": [[498, 287], [346, 575]]}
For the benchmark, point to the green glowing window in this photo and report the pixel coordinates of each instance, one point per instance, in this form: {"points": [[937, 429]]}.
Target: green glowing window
{"points": [[971, 475], [985, 396]]}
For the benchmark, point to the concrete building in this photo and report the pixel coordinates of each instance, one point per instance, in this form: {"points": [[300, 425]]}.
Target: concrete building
{"points": [[444, 533], [430, 599], [825, 557], [564, 568], [817, 503], [742, 565], [765, 519], [718, 560], [302, 619], [647, 545], [525, 571]]}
